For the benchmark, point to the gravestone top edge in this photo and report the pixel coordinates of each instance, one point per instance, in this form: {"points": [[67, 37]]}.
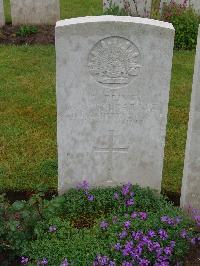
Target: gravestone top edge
{"points": [[110, 18]]}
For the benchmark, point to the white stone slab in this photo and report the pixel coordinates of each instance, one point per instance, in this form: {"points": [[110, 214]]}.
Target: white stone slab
{"points": [[195, 4], [35, 12], [113, 80], [140, 8], [2, 17], [190, 194]]}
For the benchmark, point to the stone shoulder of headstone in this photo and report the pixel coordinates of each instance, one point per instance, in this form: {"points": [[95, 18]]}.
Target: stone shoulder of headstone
{"points": [[2, 17], [190, 193], [35, 12], [113, 81]]}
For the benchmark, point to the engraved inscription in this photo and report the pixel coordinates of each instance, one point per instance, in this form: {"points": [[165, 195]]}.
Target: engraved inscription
{"points": [[110, 149], [114, 61], [126, 109]]}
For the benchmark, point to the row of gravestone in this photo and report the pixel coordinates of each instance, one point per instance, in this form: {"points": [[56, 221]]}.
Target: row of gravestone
{"points": [[113, 81], [48, 11]]}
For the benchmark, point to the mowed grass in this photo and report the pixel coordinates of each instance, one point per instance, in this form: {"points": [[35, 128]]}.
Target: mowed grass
{"points": [[28, 155]]}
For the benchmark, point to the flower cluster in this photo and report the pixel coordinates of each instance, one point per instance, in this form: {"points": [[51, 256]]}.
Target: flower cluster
{"points": [[134, 244], [103, 260], [84, 185], [170, 221]]}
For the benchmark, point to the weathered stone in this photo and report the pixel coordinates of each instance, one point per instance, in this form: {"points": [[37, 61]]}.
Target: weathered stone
{"points": [[2, 17], [113, 80], [35, 12], [140, 8], [190, 194]]}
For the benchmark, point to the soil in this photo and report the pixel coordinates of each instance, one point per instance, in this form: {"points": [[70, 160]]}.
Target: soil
{"points": [[44, 35]]}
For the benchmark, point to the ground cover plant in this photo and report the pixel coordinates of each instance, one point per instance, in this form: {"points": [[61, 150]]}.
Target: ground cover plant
{"points": [[103, 226]]}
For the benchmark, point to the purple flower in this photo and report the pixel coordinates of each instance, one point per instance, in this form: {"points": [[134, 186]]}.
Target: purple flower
{"points": [[104, 225], [127, 263], [111, 263], [183, 233], [134, 215], [83, 185], [163, 234], [123, 234], [172, 244], [151, 233], [116, 196], [129, 202], [193, 241], [126, 189], [90, 198], [177, 220], [52, 229], [24, 260], [159, 252], [42, 262], [143, 215], [138, 235], [132, 194], [127, 224], [144, 262], [164, 219], [101, 260], [168, 251], [117, 246], [64, 263]]}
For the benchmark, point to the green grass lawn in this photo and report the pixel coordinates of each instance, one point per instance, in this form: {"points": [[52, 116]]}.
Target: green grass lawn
{"points": [[28, 111], [28, 118]]}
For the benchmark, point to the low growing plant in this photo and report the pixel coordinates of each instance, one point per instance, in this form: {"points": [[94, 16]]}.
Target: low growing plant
{"points": [[185, 22], [125, 226], [25, 31]]}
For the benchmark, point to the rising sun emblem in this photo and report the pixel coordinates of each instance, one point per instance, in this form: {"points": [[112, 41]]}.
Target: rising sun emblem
{"points": [[114, 61]]}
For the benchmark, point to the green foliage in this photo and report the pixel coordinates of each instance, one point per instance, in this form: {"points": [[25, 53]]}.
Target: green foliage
{"points": [[24, 229], [115, 10], [185, 22], [25, 31]]}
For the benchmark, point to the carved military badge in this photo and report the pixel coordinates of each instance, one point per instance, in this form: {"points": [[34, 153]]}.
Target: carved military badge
{"points": [[114, 61]]}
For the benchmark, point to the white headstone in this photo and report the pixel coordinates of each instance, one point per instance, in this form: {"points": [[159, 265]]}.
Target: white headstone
{"points": [[2, 17], [140, 8], [190, 194], [195, 4], [35, 12], [113, 80]]}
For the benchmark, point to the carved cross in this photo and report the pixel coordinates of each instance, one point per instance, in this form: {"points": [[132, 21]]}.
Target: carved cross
{"points": [[109, 150]]}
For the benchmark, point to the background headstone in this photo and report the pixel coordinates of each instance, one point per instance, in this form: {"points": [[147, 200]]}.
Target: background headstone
{"points": [[190, 194], [2, 17], [35, 12], [140, 8], [113, 80]]}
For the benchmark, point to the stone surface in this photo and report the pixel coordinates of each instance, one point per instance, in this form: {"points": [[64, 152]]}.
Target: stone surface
{"points": [[113, 80], [2, 17], [35, 12], [140, 8], [190, 194]]}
